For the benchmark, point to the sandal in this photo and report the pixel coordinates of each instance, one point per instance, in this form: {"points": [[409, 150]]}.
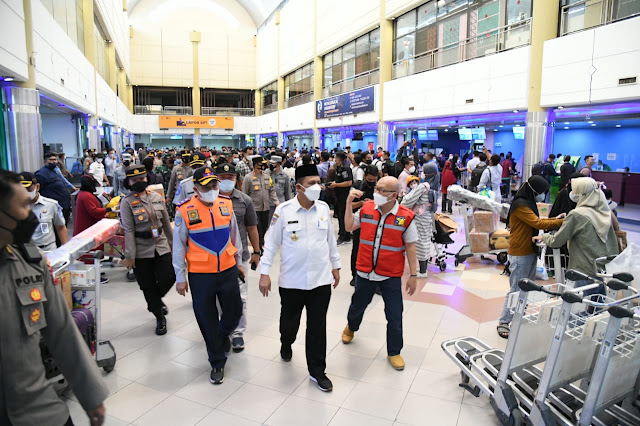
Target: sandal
{"points": [[503, 331]]}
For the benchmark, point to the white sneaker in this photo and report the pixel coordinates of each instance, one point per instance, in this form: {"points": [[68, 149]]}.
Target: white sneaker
{"points": [[423, 274]]}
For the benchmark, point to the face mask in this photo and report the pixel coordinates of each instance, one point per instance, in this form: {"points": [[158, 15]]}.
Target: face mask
{"points": [[126, 163], [574, 197], [313, 192], [227, 185], [24, 228], [51, 166], [380, 199], [540, 198], [139, 186], [414, 186], [272, 166], [32, 195], [99, 160], [368, 162], [210, 196], [236, 160], [412, 169]]}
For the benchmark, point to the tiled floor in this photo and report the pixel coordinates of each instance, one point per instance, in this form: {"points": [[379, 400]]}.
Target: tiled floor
{"points": [[164, 380]]}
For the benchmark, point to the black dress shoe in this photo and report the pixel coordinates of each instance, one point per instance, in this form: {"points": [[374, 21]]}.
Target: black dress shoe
{"points": [[286, 353], [353, 283], [161, 326]]}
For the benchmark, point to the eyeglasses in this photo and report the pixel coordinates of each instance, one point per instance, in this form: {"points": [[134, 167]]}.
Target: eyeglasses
{"points": [[382, 190]]}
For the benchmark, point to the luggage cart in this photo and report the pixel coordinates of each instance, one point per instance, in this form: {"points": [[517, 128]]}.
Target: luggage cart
{"points": [[465, 252]]}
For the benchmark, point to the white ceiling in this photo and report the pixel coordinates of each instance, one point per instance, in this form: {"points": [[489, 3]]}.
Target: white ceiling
{"points": [[259, 10]]}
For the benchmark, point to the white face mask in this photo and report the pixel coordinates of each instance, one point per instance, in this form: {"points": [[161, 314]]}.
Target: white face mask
{"points": [[380, 199], [99, 160], [33, 195], [413, 186], [236, 160], [313, 192], [226, 185], [210, 196], [574, 197], [540, 198], [412, 169]]}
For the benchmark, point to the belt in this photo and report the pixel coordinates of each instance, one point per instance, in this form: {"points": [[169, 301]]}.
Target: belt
{"points": [[146, 234]]}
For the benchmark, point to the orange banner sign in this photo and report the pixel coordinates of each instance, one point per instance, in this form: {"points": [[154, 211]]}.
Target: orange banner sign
{"points": [[195, 122]]}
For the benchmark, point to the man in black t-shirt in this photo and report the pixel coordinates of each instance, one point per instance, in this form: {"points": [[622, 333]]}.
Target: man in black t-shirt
{"points": [[367, 186], [341, 186]]}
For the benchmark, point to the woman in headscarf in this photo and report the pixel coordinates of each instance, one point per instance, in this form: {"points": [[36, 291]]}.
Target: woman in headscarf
{"points": [[563, 203], [524, 221], [422, 200], [89, 208], [448, 179], [588, 229]]}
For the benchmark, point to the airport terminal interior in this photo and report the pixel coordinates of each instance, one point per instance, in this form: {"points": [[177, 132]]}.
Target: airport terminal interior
{"points": [[402, 79]]}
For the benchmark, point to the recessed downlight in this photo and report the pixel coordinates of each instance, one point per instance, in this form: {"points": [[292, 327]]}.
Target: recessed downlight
{"points": [[618, 125], [566, 128]]}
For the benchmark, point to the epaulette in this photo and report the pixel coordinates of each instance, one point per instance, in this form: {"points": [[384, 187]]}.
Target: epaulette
{"points": [[224, 196], [183, 201]]}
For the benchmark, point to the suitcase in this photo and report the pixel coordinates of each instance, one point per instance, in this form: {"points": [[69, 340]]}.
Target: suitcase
{"points": [[84, 321], [499, 239]]}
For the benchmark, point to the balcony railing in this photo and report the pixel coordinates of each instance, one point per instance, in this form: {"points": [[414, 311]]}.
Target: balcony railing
{"points": [[300, 99], [494, 41], [587, 14], [235, 112], [363, 79], [269, 108], [160, 110]]}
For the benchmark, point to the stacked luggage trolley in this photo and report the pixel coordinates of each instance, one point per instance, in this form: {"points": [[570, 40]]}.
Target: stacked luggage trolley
{"points": [[572, 358], [83, 294]]}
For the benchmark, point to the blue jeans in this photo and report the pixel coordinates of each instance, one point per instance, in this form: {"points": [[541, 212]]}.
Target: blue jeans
{"points": [[391, 289], [520, 267]]}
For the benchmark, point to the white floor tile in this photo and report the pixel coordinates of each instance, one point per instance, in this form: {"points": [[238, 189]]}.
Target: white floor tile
{"points": [[381, 373], [418, 410], [221, 418], [263, 347], [375, 400], [195, 357], [80, 418], [281, 377], [138, 364], [298, 411], [243, 367], [346, 417], [202, 391], [362, 346], [133, 401], [253, 402], [135, 339], [346, 365], [437, 385], [170, 346], [189, 331], [341, 389], [170, 377], [174, 411], [476, 416]]}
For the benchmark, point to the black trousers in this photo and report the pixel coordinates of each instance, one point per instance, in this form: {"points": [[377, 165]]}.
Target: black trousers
{"points": [[263, 225], [354, 252], [447, 205], [205, 289], [341, 208], [317, 303], [155, 277]]}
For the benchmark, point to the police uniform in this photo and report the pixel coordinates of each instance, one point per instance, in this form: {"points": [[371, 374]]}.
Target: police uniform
{"points": [[282, 184], [31, 308], [148, 238], [119, 175], [185, 188], [48, 212], [261, 189], [308, 256], [179, 173], [208, 247]]}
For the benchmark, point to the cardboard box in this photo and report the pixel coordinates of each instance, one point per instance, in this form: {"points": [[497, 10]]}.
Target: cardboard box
{"points": [[114, 246], [64, 281], [81, 274], [484, 222], [157, 188], [479, 241], [543, 210]]}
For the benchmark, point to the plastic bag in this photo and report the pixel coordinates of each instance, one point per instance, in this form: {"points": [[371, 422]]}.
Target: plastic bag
{"points": [[541, 269], [486, 192], [627, 261]]}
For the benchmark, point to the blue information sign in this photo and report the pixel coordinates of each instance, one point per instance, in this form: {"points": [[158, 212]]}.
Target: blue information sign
{"points": [[346, 104]]}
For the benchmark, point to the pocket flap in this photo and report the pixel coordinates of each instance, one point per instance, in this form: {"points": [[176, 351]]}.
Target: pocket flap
{"points": [[198, 256], [30, 295]]}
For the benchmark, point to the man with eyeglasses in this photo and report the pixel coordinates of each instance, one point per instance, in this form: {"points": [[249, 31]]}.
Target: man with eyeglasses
{"points": [[387, 231]]}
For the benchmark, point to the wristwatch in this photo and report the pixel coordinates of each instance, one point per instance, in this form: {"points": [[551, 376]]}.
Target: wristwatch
{"points": [[256, 252]]}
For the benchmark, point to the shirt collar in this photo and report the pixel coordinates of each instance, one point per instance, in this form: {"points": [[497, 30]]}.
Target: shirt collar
{"points": [[394, 210], [39, 200], [298, 206]]}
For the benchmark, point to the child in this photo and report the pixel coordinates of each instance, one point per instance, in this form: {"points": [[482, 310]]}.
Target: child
{"points": [[423, 201]]}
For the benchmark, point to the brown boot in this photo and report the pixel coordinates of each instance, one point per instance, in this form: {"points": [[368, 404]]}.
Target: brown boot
{"points": [[347, 335]]}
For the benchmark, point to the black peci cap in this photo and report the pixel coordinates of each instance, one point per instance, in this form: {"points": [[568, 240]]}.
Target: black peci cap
{"points": [[204, 175], [225, 169], [197, 159], [306, 170]]}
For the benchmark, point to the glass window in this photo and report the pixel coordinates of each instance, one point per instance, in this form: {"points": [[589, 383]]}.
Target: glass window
{"points": [[518, 10], [374, 38], [362, 45], [349, 51], [328, 61], [404, 48], [355, 58], [427, 14], [362, 63], [299, 82], [406, 23], [337, 56]]}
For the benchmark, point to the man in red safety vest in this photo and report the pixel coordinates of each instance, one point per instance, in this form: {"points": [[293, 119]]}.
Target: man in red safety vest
{"points": [[387, 231]]}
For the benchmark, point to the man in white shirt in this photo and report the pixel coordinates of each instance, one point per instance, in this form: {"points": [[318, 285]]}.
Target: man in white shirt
{"points": [[492, 177], [309, 264], [110, 163], [96, 169], [471, 164]]}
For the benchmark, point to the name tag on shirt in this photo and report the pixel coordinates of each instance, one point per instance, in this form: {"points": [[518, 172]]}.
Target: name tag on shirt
{"points": [[44, 228], [323, 223]]}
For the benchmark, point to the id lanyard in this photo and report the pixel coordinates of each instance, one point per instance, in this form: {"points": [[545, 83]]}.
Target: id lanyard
{"points": [[154, 229]]}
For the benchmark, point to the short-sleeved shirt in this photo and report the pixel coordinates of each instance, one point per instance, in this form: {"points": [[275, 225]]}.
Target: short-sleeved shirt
{"points": [[410, 235], [185, 191], [343, 174], [245, 216], [49, 213]]}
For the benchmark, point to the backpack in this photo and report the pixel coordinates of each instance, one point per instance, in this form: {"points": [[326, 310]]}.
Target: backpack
{"points": [[539, 169], [397, 169], [476, 174], [76, 169]]}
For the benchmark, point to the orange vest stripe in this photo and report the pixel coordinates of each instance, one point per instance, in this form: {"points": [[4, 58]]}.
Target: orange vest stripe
{"points": [[209, 247], [390, 259]]}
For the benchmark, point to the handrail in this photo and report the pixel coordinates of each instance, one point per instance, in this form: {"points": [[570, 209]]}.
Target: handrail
{"points": [[233, 111], [606, 14], [160, 110], [300, 99], [333, 83]]}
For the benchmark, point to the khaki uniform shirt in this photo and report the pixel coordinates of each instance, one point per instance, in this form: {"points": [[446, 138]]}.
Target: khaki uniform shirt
{"points": [[49, 213], [138, 214], [177, 175], [282, 184], [31, 307], [261, 190]]}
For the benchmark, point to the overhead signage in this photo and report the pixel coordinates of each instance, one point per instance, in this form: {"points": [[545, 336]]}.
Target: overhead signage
{"points": [[195, 122], [346, 104]]}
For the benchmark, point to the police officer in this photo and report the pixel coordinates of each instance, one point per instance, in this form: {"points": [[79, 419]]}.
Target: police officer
{"points": [[185, 188], [148, 237], [281, 182], [310, 263], [341, 184], [259, 186], [183, 171], [208, 245], [31, 308], [120, 175], [48, 212]]}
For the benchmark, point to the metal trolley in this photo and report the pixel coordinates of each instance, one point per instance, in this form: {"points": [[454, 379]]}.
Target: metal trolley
{"points": [[465, 251]]}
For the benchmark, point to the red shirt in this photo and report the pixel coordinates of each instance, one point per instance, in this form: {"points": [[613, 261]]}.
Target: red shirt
{"points": [[506, 166], [88, 212], [448, 178]]}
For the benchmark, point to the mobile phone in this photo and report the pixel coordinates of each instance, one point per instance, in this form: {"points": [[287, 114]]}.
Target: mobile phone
{"points": [[254, 266]]}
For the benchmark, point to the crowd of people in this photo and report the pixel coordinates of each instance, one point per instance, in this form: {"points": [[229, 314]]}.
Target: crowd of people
{"points": [[227, 210]]}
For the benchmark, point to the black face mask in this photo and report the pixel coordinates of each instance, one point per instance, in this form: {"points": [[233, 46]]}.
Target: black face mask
{"points": [[368, 161], [24, 228], [51, 166], [126, 163], [272, 166], [139, 186]]}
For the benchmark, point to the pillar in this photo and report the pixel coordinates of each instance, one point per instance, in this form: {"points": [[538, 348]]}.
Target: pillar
{"points": [[116, 138], [195, 41], [112, 67], [539, 132], [318, 77], [123, 89], [257, 103], [94, 132], [24, 128], [386, 68], [130, 98], [89, 31]]}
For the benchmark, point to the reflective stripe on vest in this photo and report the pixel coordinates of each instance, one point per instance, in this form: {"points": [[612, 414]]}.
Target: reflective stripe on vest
{"points": [[210, 249], [390, 259]]}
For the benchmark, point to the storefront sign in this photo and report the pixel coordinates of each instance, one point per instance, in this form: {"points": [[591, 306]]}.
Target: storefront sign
{"points": [[346, 104], [195, 122]]}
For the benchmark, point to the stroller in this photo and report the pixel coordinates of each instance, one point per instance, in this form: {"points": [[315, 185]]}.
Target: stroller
{"points": [[444, 227]]}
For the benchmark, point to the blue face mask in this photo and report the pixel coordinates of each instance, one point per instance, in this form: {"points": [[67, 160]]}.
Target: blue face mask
{"points": [[226, 185]]}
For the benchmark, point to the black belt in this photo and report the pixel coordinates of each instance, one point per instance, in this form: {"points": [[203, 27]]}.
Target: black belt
{"points": [[146, 234]]}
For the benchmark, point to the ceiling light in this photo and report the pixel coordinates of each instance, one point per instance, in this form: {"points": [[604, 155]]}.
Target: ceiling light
{"points": [[515, 111], [560, 107], [590, 122], [446, 130], [501, 125], [7, 78], [495, 130], [593, 125], [566, 128], [566, 122], [618, 125]]}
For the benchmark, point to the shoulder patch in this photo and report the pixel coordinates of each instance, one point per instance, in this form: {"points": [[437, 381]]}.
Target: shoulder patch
{"points": [[274, 219], [183, 201]]}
